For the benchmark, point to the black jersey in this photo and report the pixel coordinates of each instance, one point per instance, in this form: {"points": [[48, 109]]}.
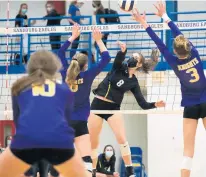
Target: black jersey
{"points": [[104, 166], [117, 82]]}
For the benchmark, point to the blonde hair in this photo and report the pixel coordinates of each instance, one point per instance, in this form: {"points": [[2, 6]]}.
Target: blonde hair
{"points": [[77, 64], [182, 46], [42, 65]]}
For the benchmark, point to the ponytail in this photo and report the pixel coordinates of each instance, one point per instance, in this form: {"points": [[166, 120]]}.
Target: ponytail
{"points": [[38, 77], [72, 73], [146, 67]]}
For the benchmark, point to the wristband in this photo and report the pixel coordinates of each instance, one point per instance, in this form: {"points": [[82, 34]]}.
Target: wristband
{"points": [[165, 17]]}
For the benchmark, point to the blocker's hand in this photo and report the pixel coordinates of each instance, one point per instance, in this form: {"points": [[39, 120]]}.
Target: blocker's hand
{"points": [[96, 34], [161, 8], [141, 18], [122, 45], [75, 31]]}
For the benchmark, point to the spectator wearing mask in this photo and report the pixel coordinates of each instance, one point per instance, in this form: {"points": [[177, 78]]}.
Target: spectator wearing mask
{"points": [[74, 13], [19, 23], [106, 163], [51, 12]]}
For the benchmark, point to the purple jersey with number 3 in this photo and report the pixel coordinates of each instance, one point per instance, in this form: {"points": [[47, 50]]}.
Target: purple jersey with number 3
{"points": [[189, 71]]}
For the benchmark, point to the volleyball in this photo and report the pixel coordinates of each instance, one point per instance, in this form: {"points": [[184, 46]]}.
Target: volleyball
{"points": [[127, 5]]}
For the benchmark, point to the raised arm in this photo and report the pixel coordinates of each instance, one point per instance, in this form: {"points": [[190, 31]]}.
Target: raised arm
{"points": [[105, 57], [161, 46], [120, 57], [141, 100], [64, 47], [62, 52], [161, 12], [69, 105], [16, 110]]}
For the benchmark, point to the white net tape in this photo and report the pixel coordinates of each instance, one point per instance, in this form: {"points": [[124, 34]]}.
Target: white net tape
{"points": [[104, 28]]}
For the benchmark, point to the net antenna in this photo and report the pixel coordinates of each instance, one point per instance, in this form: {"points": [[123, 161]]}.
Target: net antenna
{"points": [[42, 44], [7, 59]]}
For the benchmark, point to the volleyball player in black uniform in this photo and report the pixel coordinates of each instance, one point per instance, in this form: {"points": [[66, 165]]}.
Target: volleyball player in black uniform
{"points": [[109, 95]]}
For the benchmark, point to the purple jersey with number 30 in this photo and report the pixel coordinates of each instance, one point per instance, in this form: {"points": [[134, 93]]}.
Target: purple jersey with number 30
{"points": [[189, 71]]}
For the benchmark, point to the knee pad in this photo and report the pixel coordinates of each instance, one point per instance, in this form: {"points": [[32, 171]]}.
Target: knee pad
{"points": [[186, 163], [94, 154], [88, 163], [125, 149]]}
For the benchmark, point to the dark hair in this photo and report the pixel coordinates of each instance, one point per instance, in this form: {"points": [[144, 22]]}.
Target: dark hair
{"points": [[109, 146], [23, 4], [99, 5], [49, 2], [145, 65], [84, 52], [42, 65], [182, 46], [78, 62]]}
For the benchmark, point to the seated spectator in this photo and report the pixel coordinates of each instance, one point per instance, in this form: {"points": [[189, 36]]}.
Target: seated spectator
{"points": [[106, 163], [51, 12]]}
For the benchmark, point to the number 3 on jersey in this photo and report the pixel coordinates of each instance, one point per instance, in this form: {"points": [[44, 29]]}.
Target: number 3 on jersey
{"points": [[41, 90], [194, 74]]}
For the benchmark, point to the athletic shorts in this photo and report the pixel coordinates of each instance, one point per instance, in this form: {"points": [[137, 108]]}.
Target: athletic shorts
{"points": [[30, 172], [53, 156], [80, 127], [195, 111], [53, 172], [98, 104]]}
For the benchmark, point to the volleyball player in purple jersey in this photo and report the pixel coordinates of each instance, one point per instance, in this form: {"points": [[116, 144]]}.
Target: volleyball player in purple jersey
{"points": [[41, 103], [80, 80], [188, 68]]}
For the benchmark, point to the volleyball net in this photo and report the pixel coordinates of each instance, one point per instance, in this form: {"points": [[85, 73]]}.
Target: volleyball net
{"points": [[160, 84]]}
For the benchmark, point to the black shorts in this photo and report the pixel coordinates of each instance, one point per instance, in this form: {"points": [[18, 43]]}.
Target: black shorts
{"points": [[30, 172], [53, 172], [80, 127], [195, 111], [98, 104], [42, 167], [53, 156]]}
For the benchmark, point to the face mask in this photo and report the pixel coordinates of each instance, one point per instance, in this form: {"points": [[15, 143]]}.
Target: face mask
{"points": [[49, 9], [93, 5], [79, 5], [24, 11], [109, 154]]}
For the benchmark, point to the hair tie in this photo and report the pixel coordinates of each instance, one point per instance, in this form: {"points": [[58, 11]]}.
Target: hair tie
{"points": [[74, 59]]}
